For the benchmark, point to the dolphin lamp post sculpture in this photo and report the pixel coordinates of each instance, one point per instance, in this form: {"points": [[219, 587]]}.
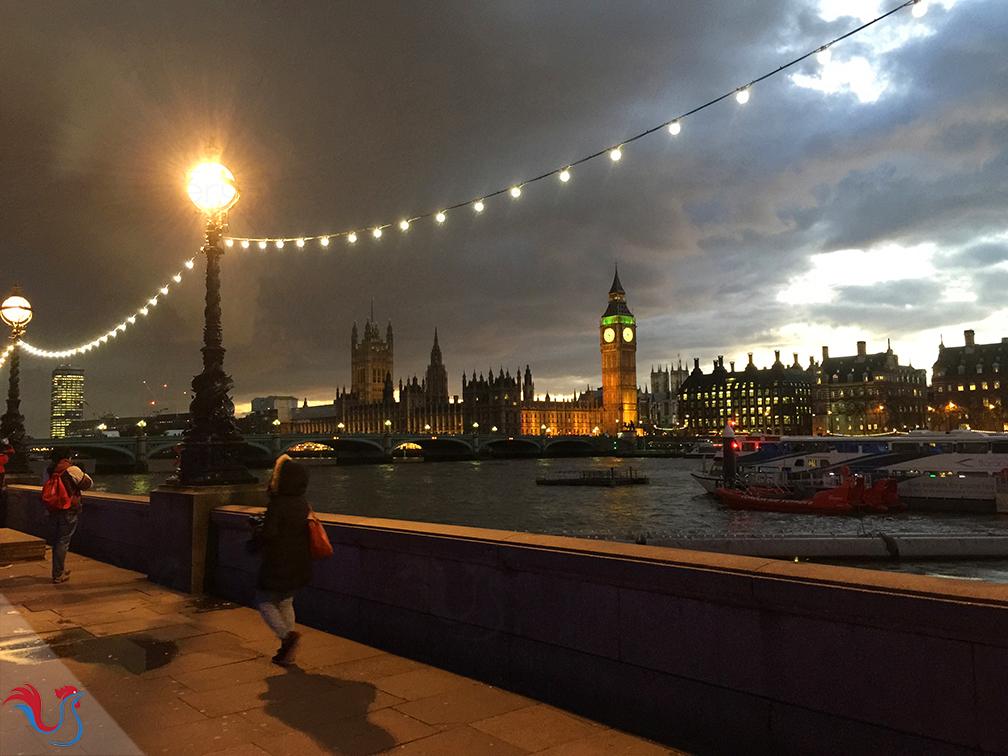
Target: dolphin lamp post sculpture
{"points": [[212, 447], [16, 312]]}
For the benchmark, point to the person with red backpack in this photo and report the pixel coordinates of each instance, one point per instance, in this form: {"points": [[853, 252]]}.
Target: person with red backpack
{"points": [[62, 484], [5, 451]]}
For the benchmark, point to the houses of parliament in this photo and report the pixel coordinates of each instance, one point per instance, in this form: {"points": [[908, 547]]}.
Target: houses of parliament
{"points": [[501, 403]]}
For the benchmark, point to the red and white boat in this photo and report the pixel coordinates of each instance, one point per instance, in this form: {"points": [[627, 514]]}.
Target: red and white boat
{"points": [[848, 498]]}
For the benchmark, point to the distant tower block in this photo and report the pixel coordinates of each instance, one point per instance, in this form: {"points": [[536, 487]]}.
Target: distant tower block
{"points": [[370, 362], [618, 342], [67, 399]]}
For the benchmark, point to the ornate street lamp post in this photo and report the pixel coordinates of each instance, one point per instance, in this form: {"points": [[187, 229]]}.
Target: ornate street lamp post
{"points": [[15, 312], [212, 447]]}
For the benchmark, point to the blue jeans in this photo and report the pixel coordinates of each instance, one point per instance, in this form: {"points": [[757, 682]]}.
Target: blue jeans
{"points": [[277, 609], [64, 525]]}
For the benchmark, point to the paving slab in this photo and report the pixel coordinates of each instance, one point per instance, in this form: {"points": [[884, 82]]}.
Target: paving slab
{"points": [[160, 672]]}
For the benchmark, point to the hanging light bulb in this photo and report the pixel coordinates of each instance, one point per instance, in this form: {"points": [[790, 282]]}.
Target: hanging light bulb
{"points": [[920, 8], [674, 127], [377, 233], [279, 243], [325, 241], [742, 96], [132, 319], [615, 154], [245, 244], [565, 175], [300, 242], [478, 206], [440, 217], [262, 245], [404, 225], [229, 242], [824, 55], [153, 302], [189, 264], [177, 278], [164, 289], [143, 310], [516, 192], [352, 238]]}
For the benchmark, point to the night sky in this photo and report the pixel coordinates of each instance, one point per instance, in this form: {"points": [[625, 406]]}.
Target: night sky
{"points": [[863, 199]]}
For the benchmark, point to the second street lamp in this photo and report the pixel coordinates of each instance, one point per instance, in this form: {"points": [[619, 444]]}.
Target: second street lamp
{"points": [[212, 450], [15, 312]]}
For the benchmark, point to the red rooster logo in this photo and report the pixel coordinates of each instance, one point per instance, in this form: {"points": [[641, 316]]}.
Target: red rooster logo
{"points": [[31, 706]]}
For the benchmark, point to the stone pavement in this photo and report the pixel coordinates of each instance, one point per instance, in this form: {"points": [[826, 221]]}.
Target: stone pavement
{"points": [[166, 673]]}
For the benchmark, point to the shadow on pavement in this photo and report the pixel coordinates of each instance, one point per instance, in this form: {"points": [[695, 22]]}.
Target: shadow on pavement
{"points": [[331, 711]]}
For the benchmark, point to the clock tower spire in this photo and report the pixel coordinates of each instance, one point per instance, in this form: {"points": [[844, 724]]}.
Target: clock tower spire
{"points": [[618, 342]]}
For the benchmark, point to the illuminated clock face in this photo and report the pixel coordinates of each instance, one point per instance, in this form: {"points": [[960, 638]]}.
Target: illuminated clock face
{"points": [[628, 335], [609, 334]]}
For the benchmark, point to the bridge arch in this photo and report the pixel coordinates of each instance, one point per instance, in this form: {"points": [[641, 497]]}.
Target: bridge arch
{"points": [[512, 447], [348, 449], [442, 447], [569, 447]]}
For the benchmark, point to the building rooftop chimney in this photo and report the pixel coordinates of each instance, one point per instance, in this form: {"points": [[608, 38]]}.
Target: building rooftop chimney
{"points": [[825, 352], [970, 337], [862, 349]]}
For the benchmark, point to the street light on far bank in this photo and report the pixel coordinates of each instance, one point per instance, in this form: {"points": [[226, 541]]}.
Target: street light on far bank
{"points": [[212, 449], [16, 312]]}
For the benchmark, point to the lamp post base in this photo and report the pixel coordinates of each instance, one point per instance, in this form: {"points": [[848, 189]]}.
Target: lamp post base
{"points": [[208, 462]]}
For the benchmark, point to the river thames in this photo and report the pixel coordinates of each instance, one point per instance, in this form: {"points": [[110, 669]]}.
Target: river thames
{"points": [[502, 494]]}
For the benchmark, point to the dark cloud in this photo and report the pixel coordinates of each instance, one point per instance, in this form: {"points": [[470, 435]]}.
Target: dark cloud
{"points": [[338, 116]]}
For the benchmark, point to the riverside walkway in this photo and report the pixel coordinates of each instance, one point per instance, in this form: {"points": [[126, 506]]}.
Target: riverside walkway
{"points": [[166, 673]]}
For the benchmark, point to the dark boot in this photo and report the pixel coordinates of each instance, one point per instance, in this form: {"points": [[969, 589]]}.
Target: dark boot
{"points": [[285, 656]]}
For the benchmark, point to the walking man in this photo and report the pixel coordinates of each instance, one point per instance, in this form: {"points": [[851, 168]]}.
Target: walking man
{"points": [[62, 484]]}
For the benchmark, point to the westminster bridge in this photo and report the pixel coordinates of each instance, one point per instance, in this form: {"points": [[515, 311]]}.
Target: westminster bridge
{"points": [[135, 451]]}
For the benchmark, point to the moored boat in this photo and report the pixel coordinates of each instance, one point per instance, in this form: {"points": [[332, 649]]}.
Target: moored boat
{"points": [[847, 498], [957, 471]]}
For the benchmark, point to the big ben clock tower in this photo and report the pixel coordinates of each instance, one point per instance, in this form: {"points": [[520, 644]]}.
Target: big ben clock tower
{"points": [[618, 341]]}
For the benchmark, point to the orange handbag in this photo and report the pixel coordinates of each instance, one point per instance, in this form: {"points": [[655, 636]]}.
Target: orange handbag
{"points": [[317, 538]]}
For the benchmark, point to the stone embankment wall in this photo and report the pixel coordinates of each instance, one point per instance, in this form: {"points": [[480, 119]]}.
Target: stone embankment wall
{"points": [[113, 528], [713, 653]]}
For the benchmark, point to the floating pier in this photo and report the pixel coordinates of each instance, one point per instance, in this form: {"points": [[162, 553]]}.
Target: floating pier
{"points": [[606, 478]]}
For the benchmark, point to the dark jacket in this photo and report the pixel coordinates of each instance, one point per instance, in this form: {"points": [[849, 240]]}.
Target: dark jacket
{"points": [[286, 554]]}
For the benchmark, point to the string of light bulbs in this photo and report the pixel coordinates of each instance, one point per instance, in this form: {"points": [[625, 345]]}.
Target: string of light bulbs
{"points": [[563, 173], [140, 313]]}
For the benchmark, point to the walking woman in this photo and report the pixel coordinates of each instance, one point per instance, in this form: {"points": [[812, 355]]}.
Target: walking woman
{"points": [[286, 554]]}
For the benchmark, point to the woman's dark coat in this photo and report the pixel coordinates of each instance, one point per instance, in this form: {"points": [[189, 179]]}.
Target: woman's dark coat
{"points": [[286, 554]]}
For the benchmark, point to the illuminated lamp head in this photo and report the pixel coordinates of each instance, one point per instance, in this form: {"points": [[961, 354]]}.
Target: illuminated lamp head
{"points": [[16, 310], [212, 188]]}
